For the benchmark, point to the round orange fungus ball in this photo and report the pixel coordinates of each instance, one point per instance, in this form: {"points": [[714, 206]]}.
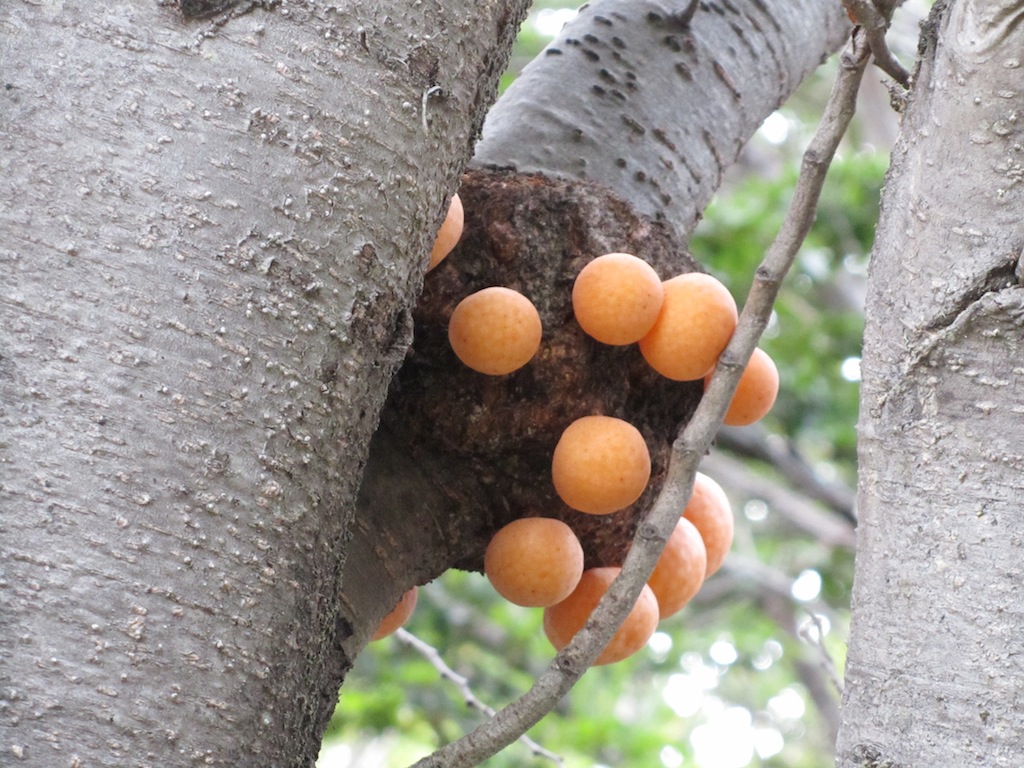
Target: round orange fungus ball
{"points": [[495, 331], [450, 232], [600, 465], [617, 298], [697, 320], [534, 561], [563, 620], [398, 616], [679, 572], [755, 393], [709, 510]]}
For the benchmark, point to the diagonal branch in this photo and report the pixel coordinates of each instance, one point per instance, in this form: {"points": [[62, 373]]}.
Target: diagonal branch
{"points": [[752, 443], [652, 533], [795, 506]]}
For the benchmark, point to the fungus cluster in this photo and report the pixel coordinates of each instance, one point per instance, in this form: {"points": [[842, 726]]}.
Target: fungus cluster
{"points": [[682, 325], [678, 575], [601, 464]]}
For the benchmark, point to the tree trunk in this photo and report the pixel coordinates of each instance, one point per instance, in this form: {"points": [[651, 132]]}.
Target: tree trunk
{"points": [[213, 232], [936, 653]]}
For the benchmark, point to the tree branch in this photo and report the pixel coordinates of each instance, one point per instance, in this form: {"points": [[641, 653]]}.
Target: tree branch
{"points": [[752, 443], [632, 63], [812, 632], [772, 590], [875, 23], [652, 533]]}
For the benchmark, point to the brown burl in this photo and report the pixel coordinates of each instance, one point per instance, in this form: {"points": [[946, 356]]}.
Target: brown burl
{"points": [[483, 443]]}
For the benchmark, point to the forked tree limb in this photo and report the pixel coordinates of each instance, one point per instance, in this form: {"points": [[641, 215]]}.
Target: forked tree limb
{"points": [[690, 446]]}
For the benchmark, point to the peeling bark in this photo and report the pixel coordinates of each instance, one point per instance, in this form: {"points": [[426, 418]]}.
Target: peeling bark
{"points": [[935, 659]]}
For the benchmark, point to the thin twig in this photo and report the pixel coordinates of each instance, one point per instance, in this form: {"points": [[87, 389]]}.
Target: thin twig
{"points": [[685, 16], [431, 654], [817, 639], [875, 25], [773, 590], [572, 661], [777, 587], [427, 93]]}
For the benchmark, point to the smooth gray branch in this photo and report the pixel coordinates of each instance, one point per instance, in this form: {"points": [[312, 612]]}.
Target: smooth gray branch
{"points": [[571, 662]]}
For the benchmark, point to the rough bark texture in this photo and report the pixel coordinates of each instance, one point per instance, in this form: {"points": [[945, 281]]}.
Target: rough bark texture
{"points": [[212, 233], [655, 104], [936, 655]]}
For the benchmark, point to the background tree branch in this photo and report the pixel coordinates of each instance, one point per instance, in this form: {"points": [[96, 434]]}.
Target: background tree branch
{"points": [[655, 107]]}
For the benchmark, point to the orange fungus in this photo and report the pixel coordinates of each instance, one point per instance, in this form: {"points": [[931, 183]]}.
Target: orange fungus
{"points": [[600, 465], [679, 572], [696, 321], [616, 298], [450, 232], [398, 616], [709, 510], [755, 393], [495, 331], [563, 620], [534, 561]]}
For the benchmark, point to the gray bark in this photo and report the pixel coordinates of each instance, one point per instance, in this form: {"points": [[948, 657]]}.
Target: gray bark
{"points": [[654, 105], [212, 234], [936, 654]]}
